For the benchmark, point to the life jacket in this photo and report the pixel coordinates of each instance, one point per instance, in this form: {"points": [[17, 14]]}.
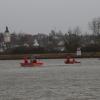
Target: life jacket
{"points": [[25, 60], [70, 60]]}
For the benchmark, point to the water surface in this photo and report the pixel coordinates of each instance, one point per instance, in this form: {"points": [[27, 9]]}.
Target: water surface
{"points": [[53, 81]]}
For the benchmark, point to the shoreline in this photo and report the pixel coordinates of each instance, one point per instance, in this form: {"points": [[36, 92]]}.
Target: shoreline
{"points": [[48, 56]]}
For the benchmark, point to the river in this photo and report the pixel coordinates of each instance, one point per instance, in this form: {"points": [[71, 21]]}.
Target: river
{"points": [[53, 81]]}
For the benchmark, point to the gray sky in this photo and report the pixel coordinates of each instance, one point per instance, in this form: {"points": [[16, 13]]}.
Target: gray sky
{"points": [[33, 16]]}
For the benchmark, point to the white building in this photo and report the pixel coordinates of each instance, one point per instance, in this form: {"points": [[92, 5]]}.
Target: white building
{"points": [[78, 52], [36, 44], [61, 46], [7, 37]]}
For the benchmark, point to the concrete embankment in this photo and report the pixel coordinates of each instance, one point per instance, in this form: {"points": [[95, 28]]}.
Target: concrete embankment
{"points": [[49, 56]]}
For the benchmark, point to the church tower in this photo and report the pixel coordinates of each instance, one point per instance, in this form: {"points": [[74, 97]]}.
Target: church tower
{"points": [[7, 38], [6, 35]]}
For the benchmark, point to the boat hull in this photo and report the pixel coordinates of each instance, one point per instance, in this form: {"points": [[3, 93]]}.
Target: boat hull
{"points": [[71, 62], [31, 64]]}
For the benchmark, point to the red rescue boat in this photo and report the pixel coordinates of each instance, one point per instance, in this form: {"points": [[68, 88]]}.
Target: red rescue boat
{"points": [[71, 61], [31, 64]]}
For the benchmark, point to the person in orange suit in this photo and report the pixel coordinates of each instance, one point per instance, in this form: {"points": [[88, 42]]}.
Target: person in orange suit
{"points": [[25, 60]]}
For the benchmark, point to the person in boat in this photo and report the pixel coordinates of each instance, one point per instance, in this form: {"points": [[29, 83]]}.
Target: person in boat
{"points": [[25, 60], [70, 59], [33, 59], [67, 59]]}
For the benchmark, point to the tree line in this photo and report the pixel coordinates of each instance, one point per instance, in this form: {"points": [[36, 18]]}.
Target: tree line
{"points": [[57, 41]]}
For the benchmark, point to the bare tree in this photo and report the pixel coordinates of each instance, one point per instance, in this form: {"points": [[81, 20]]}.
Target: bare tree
{"points": [[72, 40], [95, 26]]}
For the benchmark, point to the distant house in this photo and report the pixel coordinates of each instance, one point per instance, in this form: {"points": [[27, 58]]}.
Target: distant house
{"points": [[35, 44], [26, 45], [61, 46]]}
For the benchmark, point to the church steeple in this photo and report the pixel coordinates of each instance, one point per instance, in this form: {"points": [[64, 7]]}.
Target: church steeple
{"points": [[7, 30], [7, 37]]}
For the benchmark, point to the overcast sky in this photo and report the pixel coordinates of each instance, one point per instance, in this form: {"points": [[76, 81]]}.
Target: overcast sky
{"points": [[33, 16]]}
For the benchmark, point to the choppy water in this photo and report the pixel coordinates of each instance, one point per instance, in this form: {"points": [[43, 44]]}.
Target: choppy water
{"points": [[53, 81]]}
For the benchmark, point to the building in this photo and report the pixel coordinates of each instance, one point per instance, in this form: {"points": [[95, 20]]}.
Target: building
{"points": [[7, 38]]}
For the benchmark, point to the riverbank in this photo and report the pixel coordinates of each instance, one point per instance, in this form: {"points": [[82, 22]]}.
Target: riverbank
{"points": [[49, 56]]}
